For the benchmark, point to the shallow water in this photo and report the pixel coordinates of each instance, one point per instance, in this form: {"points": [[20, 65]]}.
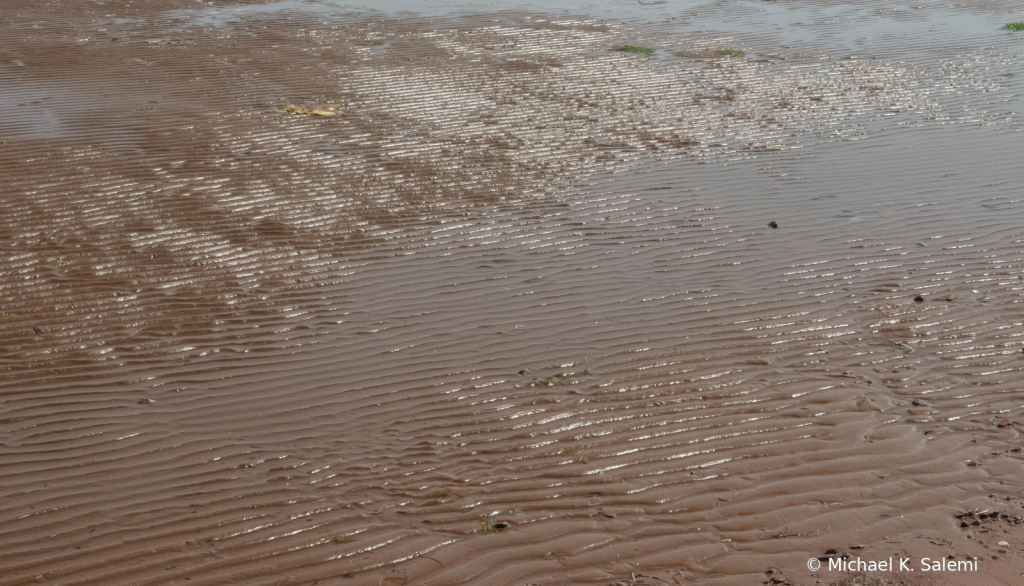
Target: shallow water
{"points": [[521, 275]]}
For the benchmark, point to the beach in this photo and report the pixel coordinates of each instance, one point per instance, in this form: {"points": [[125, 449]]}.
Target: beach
{"points": [[307, 292]]}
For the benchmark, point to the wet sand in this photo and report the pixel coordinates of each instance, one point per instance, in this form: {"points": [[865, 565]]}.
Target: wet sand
{"points": [[520, 279]]}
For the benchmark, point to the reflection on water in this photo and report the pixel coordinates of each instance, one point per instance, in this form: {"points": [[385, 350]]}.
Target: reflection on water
{"points": [[521, 279]]}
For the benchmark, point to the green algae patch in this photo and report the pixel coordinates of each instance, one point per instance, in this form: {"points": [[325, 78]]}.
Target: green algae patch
{"points": [[735, 53], [635, 49], [563, 378], [489, 525], [1014, 26]]}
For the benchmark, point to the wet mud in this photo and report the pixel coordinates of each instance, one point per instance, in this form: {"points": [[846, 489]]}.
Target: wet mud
{"points": [[516, 308]]}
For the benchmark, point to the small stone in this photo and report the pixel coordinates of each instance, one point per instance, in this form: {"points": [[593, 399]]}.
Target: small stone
{"points": [[1004, 422], [773, 224], [918, 299], [1004, 544]]}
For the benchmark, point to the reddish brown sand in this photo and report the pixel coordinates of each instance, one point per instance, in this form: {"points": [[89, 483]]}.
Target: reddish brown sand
{"points": [[520, 278]]}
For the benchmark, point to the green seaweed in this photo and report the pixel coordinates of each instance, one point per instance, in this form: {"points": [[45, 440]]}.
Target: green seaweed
{"points": [[861, 402], [563, 378], [1014, 26], [488, 525], [6, 315], [735, 53], [635, 49]]}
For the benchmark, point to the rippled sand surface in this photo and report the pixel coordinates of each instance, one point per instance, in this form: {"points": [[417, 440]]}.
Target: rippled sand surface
{"points": [[521, 280]]}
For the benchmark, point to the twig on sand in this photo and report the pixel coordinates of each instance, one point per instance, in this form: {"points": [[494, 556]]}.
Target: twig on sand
{"points": [[317, 110]]}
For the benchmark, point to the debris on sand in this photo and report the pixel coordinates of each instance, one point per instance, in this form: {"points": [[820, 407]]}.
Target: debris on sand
{"points": [[635, 49], [559, 379], [489, 525], [339, 538], [833, 553], [774, 534], [976, 519], [578, 453], [315, 110], [859, 580], [146, 401], [660, 578]]}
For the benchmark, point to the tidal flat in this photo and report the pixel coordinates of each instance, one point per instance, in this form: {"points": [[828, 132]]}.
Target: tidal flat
{"points": [[477, 293]]}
